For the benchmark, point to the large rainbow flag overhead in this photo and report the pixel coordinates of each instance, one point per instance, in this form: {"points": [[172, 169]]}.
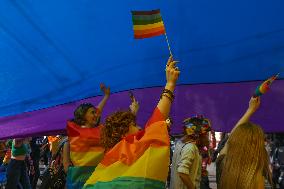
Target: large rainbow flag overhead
{"points": [[147, 24], [85, 153], [137, 161], [62, 53]]}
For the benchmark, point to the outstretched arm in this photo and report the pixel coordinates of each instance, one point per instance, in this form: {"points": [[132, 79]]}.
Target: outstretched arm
{"points": [[106, 91], [172, 74], [254, 104]]}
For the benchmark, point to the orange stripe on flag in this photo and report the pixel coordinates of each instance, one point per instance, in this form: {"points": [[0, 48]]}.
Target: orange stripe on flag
{"points": [[149, 34], [148, 26], [148, 31], [156, 136]]}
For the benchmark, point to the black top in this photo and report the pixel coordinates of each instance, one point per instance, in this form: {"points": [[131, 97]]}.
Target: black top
{"points": [[36, 144]]}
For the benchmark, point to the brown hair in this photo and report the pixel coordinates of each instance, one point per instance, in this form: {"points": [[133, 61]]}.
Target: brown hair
{"points": [[80, 112], [246, 158], [116, 126]]}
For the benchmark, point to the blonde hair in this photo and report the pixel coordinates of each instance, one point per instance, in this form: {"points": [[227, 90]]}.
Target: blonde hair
{"points": [[246, 158]]}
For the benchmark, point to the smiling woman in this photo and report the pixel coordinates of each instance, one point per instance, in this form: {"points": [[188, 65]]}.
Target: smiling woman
{"points": [[83, 151]]}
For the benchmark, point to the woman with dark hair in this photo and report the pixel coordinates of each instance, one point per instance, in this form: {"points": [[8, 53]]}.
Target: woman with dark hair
{"points": [[83, 151], [137, 158]]}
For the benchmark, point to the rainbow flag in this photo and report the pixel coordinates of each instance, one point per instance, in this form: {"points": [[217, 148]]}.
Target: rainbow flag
{"points": [[137, 161], [85, 153], [147, 24], [264, 87]]}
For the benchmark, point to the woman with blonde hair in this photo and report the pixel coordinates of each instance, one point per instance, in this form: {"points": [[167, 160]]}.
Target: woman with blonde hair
{"points": [[245, 162]]}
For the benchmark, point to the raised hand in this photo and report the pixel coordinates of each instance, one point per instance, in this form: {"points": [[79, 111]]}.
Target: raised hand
{"points": [[254, 104], [172, 72], [104, 89]]}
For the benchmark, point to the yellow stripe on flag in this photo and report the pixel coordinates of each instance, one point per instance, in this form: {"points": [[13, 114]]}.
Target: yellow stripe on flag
{"points": [[153, 164], [86, 158], [148, 26]]}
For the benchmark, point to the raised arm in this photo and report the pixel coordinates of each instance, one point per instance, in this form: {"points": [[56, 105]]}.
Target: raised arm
{"points": [[106, 91], [134, 106], [254, 104], [172, 74]]}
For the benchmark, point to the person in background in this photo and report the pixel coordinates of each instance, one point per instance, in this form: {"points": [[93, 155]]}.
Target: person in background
{"points": [[35, 144], [186, 163], [17, 175], [53, 142], [8, 154], [218, 158], [205, 147], [2, 151], [169, 122], [6, 158]]}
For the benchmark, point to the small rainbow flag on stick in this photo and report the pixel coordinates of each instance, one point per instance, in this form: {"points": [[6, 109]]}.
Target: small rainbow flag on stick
{"points": [[147, 24], [264, 87]]}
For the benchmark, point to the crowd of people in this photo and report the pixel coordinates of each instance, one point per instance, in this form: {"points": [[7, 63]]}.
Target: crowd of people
{"points": [[119, 153]]}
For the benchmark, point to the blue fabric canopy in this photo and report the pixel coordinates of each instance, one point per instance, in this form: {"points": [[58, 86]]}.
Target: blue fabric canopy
{"points": [[56, 52]]}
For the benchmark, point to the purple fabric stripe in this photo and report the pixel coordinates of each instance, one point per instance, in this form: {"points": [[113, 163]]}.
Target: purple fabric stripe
{"points": [[223, 104]]}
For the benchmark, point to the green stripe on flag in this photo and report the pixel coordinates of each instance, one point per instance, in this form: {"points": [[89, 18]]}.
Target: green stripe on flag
{"points": [[145, 22], [77, 176], [128, 182], [146, 17]]}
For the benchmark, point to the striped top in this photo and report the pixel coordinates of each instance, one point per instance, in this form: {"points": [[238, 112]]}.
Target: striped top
{"points": [[138, 161]]}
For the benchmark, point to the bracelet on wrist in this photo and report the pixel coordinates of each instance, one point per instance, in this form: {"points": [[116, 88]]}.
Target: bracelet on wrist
{"points": [[169, 92], [168, 97]]}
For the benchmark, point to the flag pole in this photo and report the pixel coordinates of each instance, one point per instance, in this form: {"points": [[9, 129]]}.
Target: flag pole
{"points": [[169, 47]]}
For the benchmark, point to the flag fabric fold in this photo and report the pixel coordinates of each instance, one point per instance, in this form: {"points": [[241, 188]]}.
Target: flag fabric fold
{"points": [[85, 153], [147, 24], [137, 161]]}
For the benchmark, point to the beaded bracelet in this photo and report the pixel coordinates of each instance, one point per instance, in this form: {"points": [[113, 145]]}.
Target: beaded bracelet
{"points": [[167, 91], [170, 98]]}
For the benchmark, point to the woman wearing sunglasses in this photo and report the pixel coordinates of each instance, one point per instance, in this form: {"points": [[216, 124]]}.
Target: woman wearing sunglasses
{"points": [[186, 163]]}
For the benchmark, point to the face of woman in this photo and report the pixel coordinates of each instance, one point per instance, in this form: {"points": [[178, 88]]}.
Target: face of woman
{"points": [[92, 117]]}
